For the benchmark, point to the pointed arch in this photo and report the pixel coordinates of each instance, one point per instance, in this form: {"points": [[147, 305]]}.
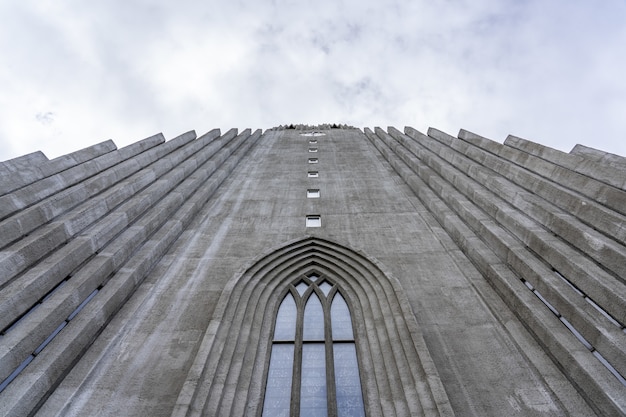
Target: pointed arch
{"points": [[397, 372]]}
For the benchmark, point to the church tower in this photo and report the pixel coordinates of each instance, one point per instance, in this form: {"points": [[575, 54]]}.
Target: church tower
{"points": [[311, 271]]}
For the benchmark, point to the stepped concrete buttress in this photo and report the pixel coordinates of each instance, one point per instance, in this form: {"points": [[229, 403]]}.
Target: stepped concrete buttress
{"points": [[486, 278]]}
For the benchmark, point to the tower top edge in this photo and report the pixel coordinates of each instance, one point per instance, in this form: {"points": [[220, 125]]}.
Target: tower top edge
{"points": [[323, 126]]}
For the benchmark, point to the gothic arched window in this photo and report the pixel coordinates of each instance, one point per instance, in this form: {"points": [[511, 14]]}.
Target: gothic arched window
{"points": [[313, 368]]}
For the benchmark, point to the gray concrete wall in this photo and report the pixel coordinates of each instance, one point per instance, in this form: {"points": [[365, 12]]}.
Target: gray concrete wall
{"points": [[541, 267], [472, 232]]}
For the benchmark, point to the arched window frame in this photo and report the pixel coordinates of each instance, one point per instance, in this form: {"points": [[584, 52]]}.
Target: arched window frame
{"points": [[398, 376], [313, 281]]}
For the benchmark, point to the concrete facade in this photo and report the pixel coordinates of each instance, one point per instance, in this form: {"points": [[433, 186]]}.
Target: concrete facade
{"points": [[484, 279]]}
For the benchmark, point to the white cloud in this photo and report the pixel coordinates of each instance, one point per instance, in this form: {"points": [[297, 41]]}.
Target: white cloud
{"points": [[81, 72]]}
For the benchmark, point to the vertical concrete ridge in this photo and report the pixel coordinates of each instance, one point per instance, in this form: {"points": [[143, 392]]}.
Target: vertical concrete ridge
{"points": [[572, 162], [514, 222], [64, 162], [104, 189], [23, 162], [192, 205], [146, 280], [573, 357], [574, 183], [486, 152], [17, 172], [477, 252], [84, 205], [510, 234], [29, 219], [602, 157], [217, 370], [483, 168], [116, 269], [53, 184], [140, 206]]}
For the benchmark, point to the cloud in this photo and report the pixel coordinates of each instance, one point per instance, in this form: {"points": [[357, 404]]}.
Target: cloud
{"points": [[46, 118], [550, 72]]}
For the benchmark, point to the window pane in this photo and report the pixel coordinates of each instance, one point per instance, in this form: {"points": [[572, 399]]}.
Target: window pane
{"points": [[313, 193], [313, 319], [349, 397], [340, 317], [325, 287], [278, 390], [313, 221], [313, 400], [301, 287], [286, 319]]}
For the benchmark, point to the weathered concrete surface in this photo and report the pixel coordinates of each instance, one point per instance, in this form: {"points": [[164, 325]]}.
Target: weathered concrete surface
{"points": [[498, 256], [453, 221]]}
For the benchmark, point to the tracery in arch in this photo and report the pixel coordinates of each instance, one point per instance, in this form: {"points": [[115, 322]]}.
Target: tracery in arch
{"points": [[313, 370], [228, 375]]}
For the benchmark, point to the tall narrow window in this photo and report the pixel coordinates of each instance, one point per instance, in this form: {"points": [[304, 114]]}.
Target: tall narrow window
{"points": [[313, 368]]}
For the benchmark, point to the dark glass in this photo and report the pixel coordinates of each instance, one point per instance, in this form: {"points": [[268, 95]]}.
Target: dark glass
{"points": [[313, 399], [312, 369], [313, 319], [347, 381], [325, 287], [301, 287], [340, 318], [278, 389], [286, 319]]}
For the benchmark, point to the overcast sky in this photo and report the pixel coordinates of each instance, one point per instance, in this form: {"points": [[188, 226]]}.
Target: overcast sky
{"points": [[78, 72]]}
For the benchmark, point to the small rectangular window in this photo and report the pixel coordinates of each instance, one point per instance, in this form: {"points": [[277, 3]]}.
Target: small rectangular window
{"points": [[313, 161], [313, 193], [313, 174], [312, 150], [313, 221], [312, 141]]}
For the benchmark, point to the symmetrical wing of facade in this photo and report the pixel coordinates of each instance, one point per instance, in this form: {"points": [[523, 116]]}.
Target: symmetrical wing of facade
{"points": [[311, 271]]}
